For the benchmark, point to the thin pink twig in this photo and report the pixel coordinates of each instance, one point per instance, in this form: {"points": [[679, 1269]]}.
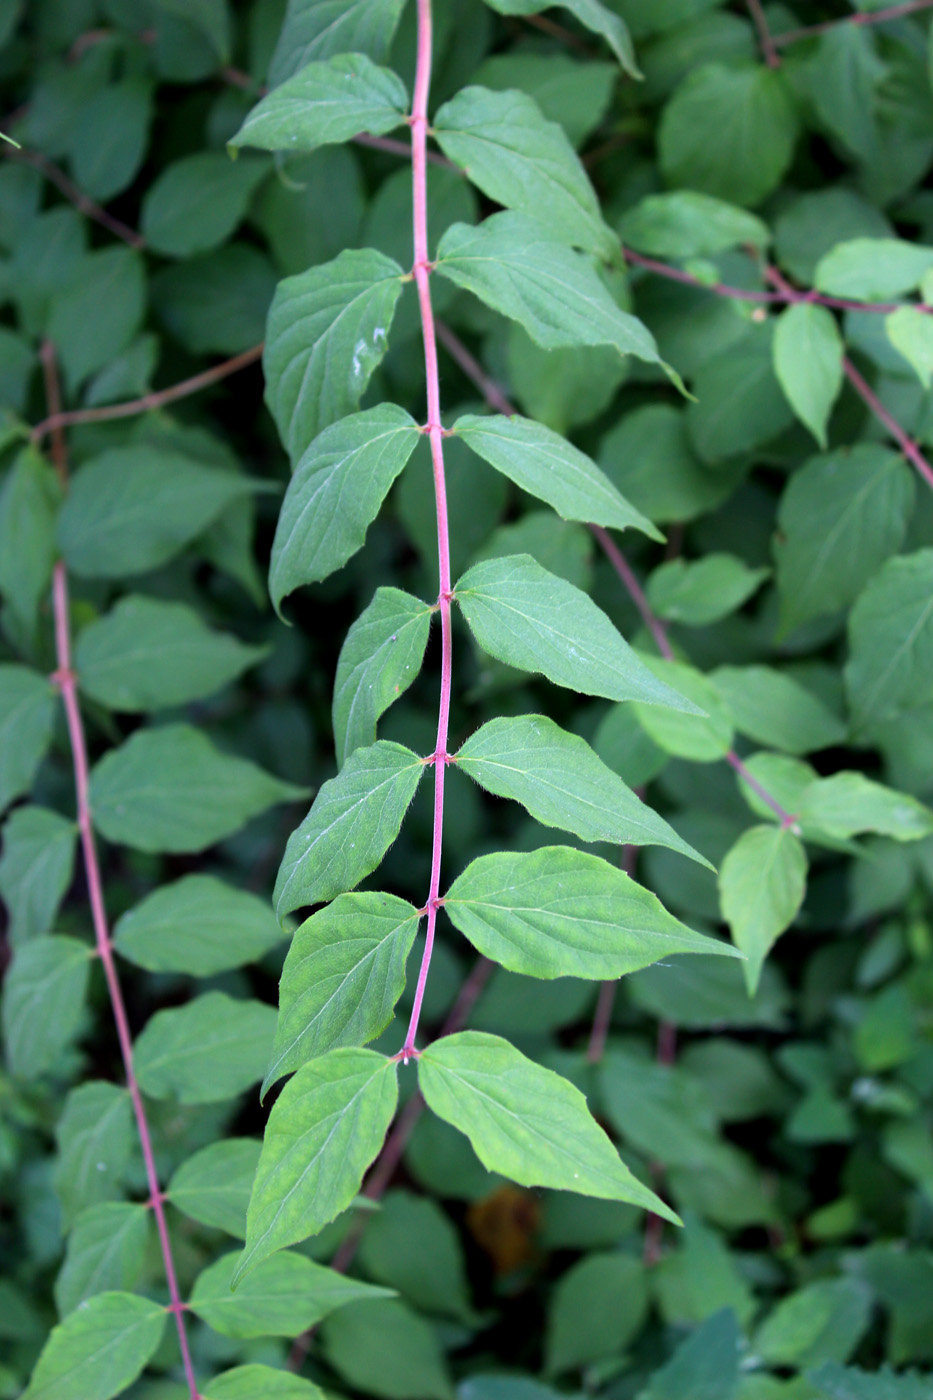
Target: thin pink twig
{"points": [[812, 31], [765, 37], [907, 445]]}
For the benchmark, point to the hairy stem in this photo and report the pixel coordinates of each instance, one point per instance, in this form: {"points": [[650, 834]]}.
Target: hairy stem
{"points": [[422, 274]]}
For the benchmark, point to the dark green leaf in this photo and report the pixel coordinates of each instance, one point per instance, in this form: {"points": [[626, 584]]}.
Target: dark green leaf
{"points": [[211, 1048], [36, 869], [27, 714], [559, 912], [352, 823], [336, 493], [761, 886], [822, 1322], [98, 312], [169, 789], [109, 138], [324, 1130], [774, 709], [216, 302], [280, 1297], [343, 975], [739, 404], [316, 29], [380, 658], [198, 925], [386, 1349], [99, 1350], [526, 617], [324, 104], [29, 501], [197, 202], [411, 1244], [593, 15], [705, 1365], [43, 1002], [213, 1186], [596, 1310]]}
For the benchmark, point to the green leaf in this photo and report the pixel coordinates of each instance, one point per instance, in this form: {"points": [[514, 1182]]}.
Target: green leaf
{"points": [[27, 717], [574, 94], [210, 17], [872, 269], [774, 709], [739, 402], [110, 136], [761, 886], [197, 925], [328, 331], [94, 1135], [808, 353], [255, 1382], [197, 202], [515, 265], [352, 823], [169, 789], [687, 224], [508, 148], [98, 312], [848, 804], [524, 1121], [325, 1129], [526, 617], [823, 1321], [99, 1350], [133, 509], [705, 1364], [280, 1297], [106, 1250], [848, 1383], [883, 679], [911, 333], [380, 658], [701, 737], [591, 14], [729, 132], [562, 783], [29, 501], [214, 1185], [343, 975], [218, 301], [411, 1244], [317, 29], [146, 654], [36, 869], [707, 590], [43, 1002], [546, 465], [387, 1350], [324, 104], [841, 516], [205, 1051], [597, 1309], [336, 493], [559, 912]]}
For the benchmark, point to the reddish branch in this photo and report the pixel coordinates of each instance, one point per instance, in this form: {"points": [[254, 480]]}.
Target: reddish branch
{"points": [[812, 31], [82, 202], [765, 38], [66, 681]]}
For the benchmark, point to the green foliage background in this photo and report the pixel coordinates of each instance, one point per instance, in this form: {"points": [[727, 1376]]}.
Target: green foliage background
{"points": [[789, 1129]]}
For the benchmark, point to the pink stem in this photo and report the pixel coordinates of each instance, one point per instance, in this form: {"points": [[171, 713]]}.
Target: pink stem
{"points": [[907, 445], [422, 271], [792, 36], [602, 1017], [765, 37], [634, 590], [66, 681]]}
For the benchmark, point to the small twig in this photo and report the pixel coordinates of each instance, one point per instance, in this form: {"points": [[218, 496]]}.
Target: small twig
{"points": [[813, 31], [72, 192], [149, 403], [602, 1017], [765, 37], [907, 445], [557, 31]]}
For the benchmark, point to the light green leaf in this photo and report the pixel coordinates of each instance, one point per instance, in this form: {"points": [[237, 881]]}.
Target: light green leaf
{"points": [[840, 517], [324, 104], [27, 716], [213, 1186], [352, 823], [890, 667], [823, 1321], [106, 1250], [280, 1297], [704, 591], [562, 783], [774, 709], [508, 148], [169, 789], [197, 202], [808, 353], [848, 804], [29, 501], [36, 869], [328, 330], [526, 617], [729, 131], [872, 269], [146, 654], [344, 972], [911, 332], [546, 465], [591, 14], [99, 1350], [559, 912], [380, 658], [336, 493], [94, 1136], [515, 265], [325, 1129], [133, 509], [43, 1002], [255, 1382], [687, 224], [571, 92], [761, 886], [701, 737], [205, 1051], [198, 925], [317, 29], [525, 1122]]}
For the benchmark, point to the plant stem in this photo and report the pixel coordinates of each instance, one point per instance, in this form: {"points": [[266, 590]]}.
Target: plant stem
{"points": [[907, 445], [812, 31], [765, 37], [66, 680], [72, 192], [422, 274]]}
